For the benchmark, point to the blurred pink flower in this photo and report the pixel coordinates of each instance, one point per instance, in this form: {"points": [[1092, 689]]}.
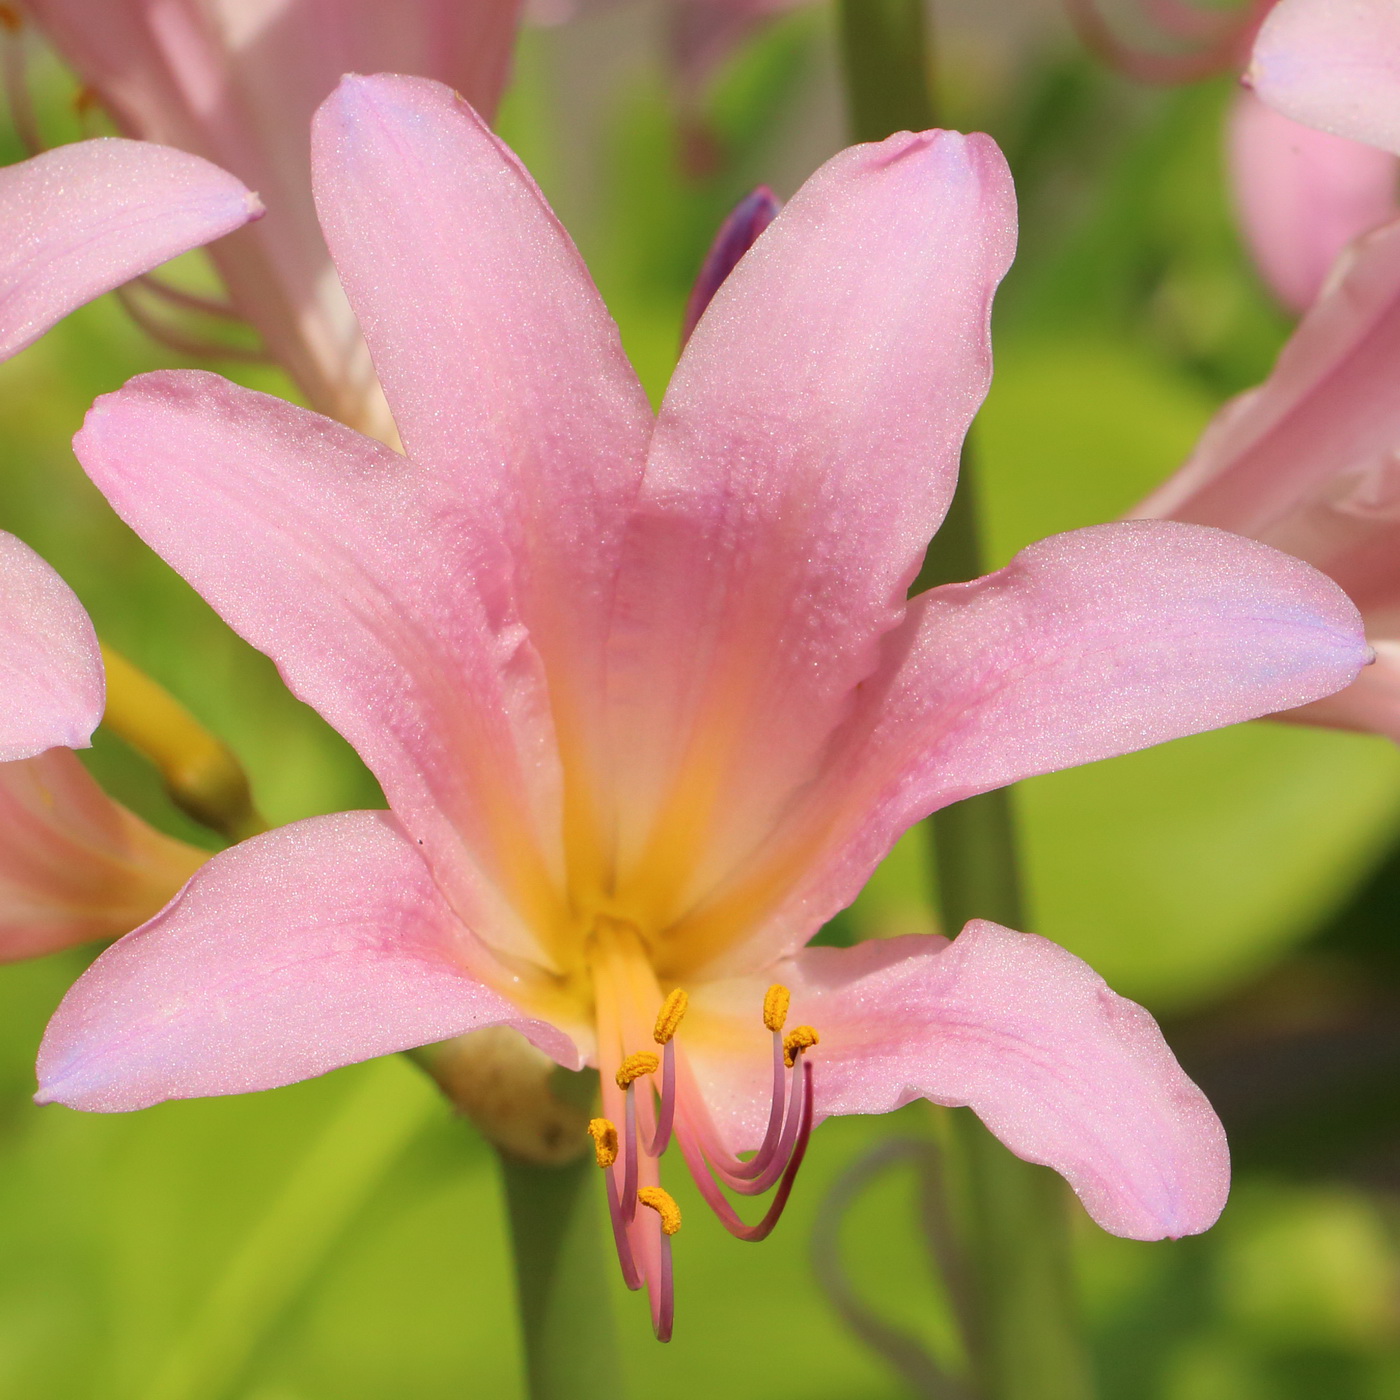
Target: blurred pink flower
{"points": [[1310, 460], [75, 865], [646, 696], [1302, 195], [700, 34], [237, 81]]}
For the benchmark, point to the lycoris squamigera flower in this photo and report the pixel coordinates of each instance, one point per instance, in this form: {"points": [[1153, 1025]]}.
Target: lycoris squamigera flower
{"points": [[74, 864], [1309, 460], [647, 698], [237, 81]]}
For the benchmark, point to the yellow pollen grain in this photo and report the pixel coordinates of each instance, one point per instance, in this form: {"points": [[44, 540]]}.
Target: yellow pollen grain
{"points": [[10, 19], [669, 1017], [799, 1038], [603, 1131], [634, 1066], [661, 1201], [776, 1001]]}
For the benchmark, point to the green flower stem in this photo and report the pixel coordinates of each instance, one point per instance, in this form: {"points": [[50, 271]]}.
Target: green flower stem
{"points": [[561, 1266], [1029, 1342], [279, 1257]]}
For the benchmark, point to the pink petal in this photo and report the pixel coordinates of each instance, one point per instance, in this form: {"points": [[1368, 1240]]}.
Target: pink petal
{"points": [[1062, 1070], [503, 368], [238, 83], [1327, 410], [1302, 195], [805, 453], [74, 864], [51, 682], [1307, 461], [1370, 704], [1088, 644], [85, 218], [311, 947], [352, 569], [1333, 64]]}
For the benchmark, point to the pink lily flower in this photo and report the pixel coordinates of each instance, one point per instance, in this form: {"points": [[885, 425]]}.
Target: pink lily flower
{"points": [[1302, 195], [237, 81], [1307, 461], [74, 864], [647, 698]]}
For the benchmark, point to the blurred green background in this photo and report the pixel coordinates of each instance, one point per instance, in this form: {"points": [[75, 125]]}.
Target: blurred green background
{"points": [[343, 1239]]}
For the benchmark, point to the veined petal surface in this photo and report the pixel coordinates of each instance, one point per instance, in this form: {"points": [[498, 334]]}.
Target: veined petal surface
{"points": [[504, 370], [805, 454], [74, 864], [347, 565], [84, 218], [1333, 64], [1302, 195], [1088, 644], [51, 681], [293, 953]]}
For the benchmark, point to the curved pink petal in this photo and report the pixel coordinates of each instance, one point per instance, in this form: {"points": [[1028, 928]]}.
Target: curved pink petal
{"points": [[1302, 195], [1370, 704], [238, 83], [504, 370], [1088, 644], [1333, 64], [1326, 411], [350, 568], [1062, 1070], [74, 864], [51, 681], [311, 947], [805, 453], [82, 219]]}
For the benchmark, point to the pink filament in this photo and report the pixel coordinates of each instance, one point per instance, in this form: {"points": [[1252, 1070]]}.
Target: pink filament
{"points": [[663, 1297], [714, 1197], [667, 1116]]}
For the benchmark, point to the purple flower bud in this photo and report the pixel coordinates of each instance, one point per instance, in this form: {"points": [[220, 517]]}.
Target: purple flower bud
{"points": [[737, 234]]}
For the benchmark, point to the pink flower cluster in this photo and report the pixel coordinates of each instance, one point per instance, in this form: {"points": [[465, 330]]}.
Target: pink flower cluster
{"points": [[645, 692]]}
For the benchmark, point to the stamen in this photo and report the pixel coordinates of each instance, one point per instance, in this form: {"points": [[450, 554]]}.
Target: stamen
{"points": [[800, 1038], [666, 1118], [669, 1017], [796, 1149], [663, 1203], [603, 1131], [635, 1066], [10, 19], [776, 1001], [631, 1275]]}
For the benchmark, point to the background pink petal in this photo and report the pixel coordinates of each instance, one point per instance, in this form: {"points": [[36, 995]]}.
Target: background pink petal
{"points": [[1088, 644], [84, 218], [1061, 1069], [51, 681], [74, 864], [1327, 410], [1335, 65], [349, 567], [502, 366], [238, 83], [311, 947], [1302, 195], [805, 453]]}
